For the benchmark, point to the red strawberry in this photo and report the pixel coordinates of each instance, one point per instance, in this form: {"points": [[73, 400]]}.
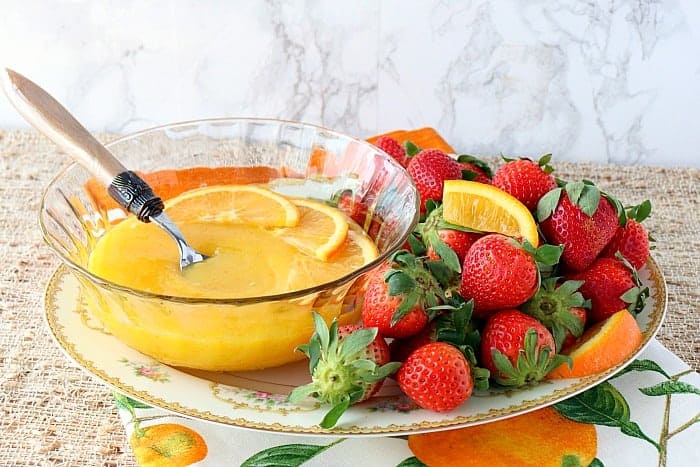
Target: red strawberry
{"points": [[561, 308], [438, 235], [348, 364], [632, 239], [459, 241], [429, 170], [579, 218], [352, 205], [402, 348], [526, 180], [517, 349], [437, 377], [611, 286], [392, 147], [475, 169], [396, 298], [498, 273]]}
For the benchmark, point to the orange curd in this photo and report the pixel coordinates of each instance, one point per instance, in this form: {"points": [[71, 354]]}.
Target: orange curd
{"points": [[261, 243]]}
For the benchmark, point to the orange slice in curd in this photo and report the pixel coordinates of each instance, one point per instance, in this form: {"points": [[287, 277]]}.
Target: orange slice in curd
{"points": [[245, 204], [488, 209], [321, 230]]}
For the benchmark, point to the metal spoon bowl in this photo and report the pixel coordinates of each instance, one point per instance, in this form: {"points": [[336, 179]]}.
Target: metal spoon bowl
{"points": [[49, 117]]}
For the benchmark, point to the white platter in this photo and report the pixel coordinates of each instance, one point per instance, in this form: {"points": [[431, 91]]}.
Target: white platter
{"points": [[256, 400]]}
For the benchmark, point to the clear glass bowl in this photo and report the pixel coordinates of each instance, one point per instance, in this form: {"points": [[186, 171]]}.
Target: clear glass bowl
{"points": [[231, 334]]}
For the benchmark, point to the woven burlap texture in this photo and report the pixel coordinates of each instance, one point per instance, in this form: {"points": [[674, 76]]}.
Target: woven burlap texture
{"points": [[55, 414]]}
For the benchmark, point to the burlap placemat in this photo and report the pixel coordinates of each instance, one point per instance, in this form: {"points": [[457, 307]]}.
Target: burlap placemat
{"points": [[54, 414]]}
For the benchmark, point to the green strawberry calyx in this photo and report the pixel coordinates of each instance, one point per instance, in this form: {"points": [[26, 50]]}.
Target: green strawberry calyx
{"points": [[543, 161], [636, 297], [341, 375], [454, 326], [552, 304], [429, 232], [418, 282], [584, 194], [531, 365], [475, 161]]}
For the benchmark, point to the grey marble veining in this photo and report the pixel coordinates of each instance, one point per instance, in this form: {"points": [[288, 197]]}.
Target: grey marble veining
{"points": [[600, 80]]}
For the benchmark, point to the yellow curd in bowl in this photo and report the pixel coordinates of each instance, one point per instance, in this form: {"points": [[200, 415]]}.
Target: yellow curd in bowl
{"points": [[260, 244]]}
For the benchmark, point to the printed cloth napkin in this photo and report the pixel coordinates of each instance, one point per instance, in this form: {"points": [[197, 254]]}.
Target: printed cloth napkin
{"points": [[646, 415]]}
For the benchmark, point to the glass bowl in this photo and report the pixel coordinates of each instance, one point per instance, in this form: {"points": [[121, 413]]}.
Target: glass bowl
{"points": [[233, 334]]}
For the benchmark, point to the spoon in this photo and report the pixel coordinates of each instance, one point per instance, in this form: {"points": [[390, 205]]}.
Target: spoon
{"points": [[48, 116]]}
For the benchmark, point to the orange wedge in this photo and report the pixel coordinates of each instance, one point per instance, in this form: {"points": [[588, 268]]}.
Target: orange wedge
{"points": [[247, 204], [321, 229], [488, 209], [601, 347]]}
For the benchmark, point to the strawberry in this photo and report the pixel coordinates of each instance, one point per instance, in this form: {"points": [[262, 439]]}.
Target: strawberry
{"points": [[526, 180], [436, 376], [457, 240], [561, 308], [611, 286], [398, 296], [498, 273], [475, 169], [348, 364], [517, 349], [582, 220], [429, 170], [402, 348], [631, 239], [392, 147], [351, 204], [445, 241]]}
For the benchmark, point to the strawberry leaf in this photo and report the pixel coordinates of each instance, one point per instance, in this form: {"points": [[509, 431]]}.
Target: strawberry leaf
{"points": [[314, 352], [356, 342], [548, 254], [333, 337], [400, 283], [639, 212], [469, 175], [411, 149], [575, 190], [417, 247], [407, 304], [469, 159], [331, 418], [300, 393], [481, 378], [589, 200], [447, 254], [548, 204], [321, 330], [364, 364], [619, 209], [387, 369], [441, 272]]}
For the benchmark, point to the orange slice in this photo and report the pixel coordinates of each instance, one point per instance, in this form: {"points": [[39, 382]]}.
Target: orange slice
{"points": [[321, 229], [357, 250], [488, 209], [247, 204], [601, 347]]}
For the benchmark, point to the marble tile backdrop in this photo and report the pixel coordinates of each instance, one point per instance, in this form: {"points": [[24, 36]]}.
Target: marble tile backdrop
{"points": [[597, 80]]}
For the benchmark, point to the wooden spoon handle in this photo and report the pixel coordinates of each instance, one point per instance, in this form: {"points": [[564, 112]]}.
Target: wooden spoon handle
{"points": [[48, 116]]}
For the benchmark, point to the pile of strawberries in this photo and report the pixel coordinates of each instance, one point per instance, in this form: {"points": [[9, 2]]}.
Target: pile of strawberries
{"points": [[458, 309]]}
